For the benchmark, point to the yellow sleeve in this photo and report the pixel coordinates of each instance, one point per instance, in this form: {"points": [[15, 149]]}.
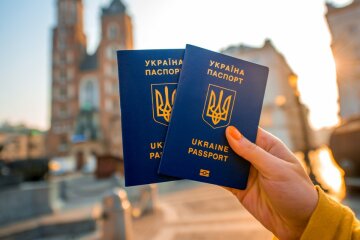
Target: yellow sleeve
{"points": [[331, 221]]}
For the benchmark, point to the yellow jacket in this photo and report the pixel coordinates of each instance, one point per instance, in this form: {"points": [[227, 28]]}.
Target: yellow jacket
{"points": [[331, 221]]}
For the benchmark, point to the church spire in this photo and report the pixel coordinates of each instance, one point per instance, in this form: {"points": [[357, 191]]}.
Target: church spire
{"points": [[70, 12], [115, 7]]}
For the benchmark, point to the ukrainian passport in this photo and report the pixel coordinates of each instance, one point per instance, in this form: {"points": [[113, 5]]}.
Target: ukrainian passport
{"points": [[214, 91], [147, 81]]}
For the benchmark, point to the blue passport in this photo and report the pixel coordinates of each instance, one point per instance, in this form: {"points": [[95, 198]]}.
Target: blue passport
{"points": [[214, 91], [147, 81]]}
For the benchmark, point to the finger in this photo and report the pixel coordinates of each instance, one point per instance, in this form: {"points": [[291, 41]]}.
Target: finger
{"points": [[274, 146], [263, 161], [266, 140]]}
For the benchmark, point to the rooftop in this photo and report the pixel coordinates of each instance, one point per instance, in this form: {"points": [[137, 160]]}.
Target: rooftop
{"points": [[115, 7]]}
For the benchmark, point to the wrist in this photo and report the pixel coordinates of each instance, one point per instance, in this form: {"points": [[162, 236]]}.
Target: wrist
{"points": [[295, 225], [312, 203]]}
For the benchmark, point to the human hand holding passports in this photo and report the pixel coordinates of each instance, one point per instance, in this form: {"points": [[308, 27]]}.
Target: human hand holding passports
{"points": [[212, 92], [279, 192]]}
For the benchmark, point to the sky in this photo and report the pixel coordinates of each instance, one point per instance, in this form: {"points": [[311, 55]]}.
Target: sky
{"points": [[297, 28]]}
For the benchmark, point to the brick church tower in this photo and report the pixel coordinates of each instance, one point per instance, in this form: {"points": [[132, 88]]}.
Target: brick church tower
{"points": [[85, 110]]}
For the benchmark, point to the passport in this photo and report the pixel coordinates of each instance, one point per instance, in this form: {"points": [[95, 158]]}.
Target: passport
{"points": [[214, 91], [147, 84]]}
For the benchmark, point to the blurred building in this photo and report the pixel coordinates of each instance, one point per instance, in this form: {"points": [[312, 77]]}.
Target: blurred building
{"points": [[21, 143], [85, 101], [344, 24], [282, 113]]}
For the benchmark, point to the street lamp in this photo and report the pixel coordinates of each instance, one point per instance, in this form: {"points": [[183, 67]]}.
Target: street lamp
{"points": [[293, 79]]}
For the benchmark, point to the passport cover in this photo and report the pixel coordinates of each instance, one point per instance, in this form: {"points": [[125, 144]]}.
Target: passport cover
{"points": [[214, 91], [147, 81]]}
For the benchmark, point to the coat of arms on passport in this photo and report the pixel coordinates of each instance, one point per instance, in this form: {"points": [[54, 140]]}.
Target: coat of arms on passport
{"points": [[218, 106], [163, 98]]}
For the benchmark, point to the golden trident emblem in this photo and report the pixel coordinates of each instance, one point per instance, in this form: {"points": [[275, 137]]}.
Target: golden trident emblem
{"points": [[163, 97], [218, 112], [218, 106], [164, 110]]}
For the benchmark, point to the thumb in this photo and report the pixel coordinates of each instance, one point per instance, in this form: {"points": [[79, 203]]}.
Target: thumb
{"points": [[266, 163]]}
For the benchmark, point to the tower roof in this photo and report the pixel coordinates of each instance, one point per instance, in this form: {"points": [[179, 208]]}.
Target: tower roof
{"points": [[115, 7]]}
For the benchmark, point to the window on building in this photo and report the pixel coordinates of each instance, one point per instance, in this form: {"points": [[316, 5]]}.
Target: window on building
{"points": [[62, 75], [61, 128], [62, 39], [108, 105], [62, 112], [70, 74], [63, 144], [108, 87], [62, 59], [56, 58], [62, 93], [56, 74], [89, 94], [70, 91], [72, 12], [62, 6], [111, 52], [112, 31], [69, 57], [108, 70]]}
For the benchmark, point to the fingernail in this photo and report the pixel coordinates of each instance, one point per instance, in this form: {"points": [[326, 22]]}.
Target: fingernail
{"points": [[234, 133]]}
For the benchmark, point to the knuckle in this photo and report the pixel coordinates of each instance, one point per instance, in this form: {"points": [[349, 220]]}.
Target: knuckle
{"points": [[250, 146]]}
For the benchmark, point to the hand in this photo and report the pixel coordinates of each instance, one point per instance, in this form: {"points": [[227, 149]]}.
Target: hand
{"points": [[279, 193]]}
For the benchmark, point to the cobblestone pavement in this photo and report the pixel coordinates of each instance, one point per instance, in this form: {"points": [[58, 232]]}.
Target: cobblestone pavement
{"points": [[206, 212], [185, 210]]}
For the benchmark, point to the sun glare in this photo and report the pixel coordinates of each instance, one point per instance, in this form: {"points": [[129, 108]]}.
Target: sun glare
{"points": [[304, 41], [328, 173]]}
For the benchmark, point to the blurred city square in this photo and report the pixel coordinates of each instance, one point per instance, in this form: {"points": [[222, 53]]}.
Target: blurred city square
{"points": [[61, 161]]}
